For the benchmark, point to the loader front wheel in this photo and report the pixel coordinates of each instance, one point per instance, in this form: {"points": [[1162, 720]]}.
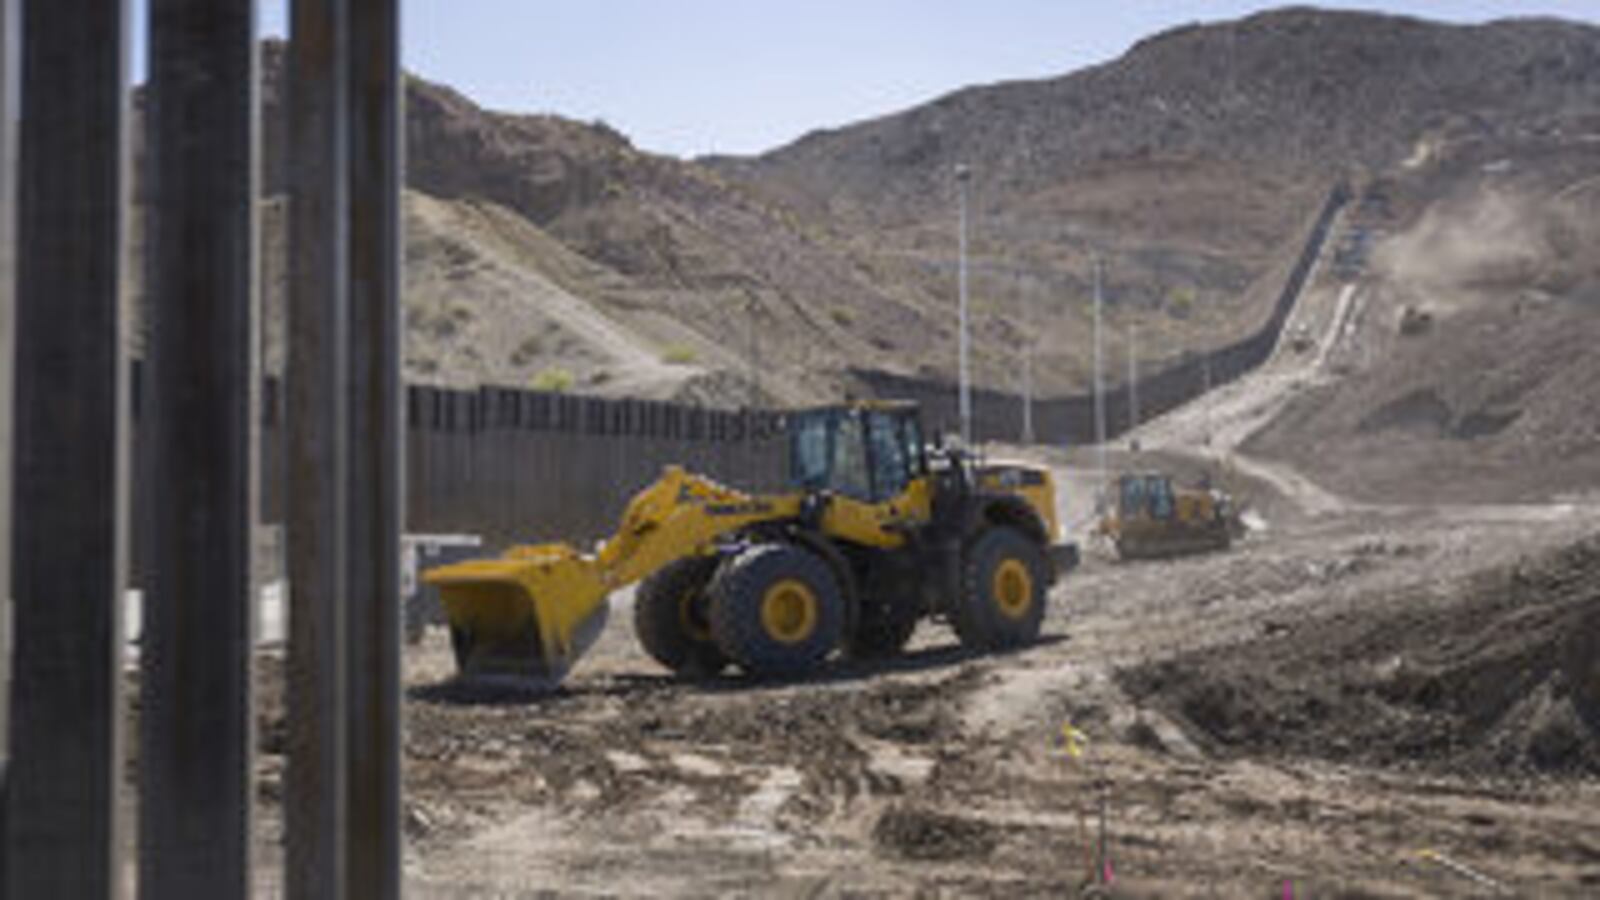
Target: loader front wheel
{"points": [[777, 610], [670, 618], [1003, 591]]}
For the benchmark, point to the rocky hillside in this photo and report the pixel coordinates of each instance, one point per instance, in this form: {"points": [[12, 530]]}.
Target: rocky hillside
{"points": [[1188, 161], [1296, 92], [549, 252]]}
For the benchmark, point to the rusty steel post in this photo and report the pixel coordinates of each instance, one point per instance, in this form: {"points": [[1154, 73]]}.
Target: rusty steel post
{"points": [[197, 420], [9, 81], [376, 504], [317, 446], [63, 831]]}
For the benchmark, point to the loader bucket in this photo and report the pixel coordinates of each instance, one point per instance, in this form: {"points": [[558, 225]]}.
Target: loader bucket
{"points": [[526, 616]]}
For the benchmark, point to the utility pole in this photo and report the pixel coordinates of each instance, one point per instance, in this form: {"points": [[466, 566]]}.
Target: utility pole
{"points": [[1205, 397], [1099, 389], [964, 179], [755, 354], [1133, 375], [1027, 367]]}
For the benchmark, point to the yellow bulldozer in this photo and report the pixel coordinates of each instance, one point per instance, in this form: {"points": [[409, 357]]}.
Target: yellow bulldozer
{"points": [[875, 532], [1148, 518]]}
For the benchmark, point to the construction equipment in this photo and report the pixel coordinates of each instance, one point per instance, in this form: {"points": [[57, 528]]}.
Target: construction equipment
{"points": [[876, 532], [1148, 518]]}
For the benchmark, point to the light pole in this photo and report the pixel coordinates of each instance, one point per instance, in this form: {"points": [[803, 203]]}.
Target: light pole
{"points": [[1027, 366], [1099, 390], [1133, 375], [754, 351], [963, 179]]}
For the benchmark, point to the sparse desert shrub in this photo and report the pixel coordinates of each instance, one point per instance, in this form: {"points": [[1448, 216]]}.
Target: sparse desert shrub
{"points": [[679, 355], [554, 379], [1180, 302], [842, 317]]}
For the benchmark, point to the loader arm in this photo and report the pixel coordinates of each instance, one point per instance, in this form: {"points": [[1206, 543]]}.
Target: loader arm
{"points": [[678, 516], [531, 613]]}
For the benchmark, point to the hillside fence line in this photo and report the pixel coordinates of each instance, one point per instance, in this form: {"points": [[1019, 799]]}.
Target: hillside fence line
{"points": [[1069, 419]]}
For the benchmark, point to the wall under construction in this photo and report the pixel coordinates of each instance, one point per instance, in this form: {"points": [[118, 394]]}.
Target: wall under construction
{"points": [[1070, 419], [515, 465]]}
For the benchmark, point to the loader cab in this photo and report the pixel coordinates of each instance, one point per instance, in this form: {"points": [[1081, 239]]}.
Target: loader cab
{"points": [[868, 452]]}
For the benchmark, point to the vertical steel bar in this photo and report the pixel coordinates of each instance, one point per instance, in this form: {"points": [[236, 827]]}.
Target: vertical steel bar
{"points": [[71, 446], [376, 504], [9, 86], [198, 419], [317, 479]]}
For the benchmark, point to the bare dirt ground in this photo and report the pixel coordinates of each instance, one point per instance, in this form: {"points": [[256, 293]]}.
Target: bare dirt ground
{"points": [[1303, 709], [944, 774]]}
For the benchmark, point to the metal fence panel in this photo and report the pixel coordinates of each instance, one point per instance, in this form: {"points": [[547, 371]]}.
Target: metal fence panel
{"points": [[197, 432], [63, 837], [317, 456], [9, 83], [376, 468]]}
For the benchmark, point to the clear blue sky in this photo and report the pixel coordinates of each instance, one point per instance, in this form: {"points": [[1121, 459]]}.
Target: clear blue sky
{"points": [[740, 76]]}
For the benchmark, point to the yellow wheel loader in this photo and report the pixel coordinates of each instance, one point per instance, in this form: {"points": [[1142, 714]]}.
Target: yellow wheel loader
{"points": [[876, 532], [1150, 519]]}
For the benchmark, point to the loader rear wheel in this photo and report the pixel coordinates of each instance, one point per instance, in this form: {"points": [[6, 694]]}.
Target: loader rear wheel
{"points": [[669, 616], [1002, 591], [777, 610]]}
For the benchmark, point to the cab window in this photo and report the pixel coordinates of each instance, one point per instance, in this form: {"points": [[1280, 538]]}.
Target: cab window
{"points": [[812, 454], [850, 458], [891, 467], [1132, 496], [911, 440], [1160, 491]]}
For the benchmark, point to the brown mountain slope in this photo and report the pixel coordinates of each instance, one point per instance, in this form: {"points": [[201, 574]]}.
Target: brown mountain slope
{"points": [[1189, 162], [553, 252], [550, 252], [1296, 91]]}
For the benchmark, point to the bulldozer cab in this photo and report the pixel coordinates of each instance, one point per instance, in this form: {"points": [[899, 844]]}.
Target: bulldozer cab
{"points": [[869, 453], [1146, 496]]}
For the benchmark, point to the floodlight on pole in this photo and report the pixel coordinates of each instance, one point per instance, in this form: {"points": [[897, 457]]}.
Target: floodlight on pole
{"points": [[963, 179]]}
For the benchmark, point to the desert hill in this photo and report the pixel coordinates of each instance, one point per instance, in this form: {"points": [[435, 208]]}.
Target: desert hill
{"points": [[548, 252]]}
